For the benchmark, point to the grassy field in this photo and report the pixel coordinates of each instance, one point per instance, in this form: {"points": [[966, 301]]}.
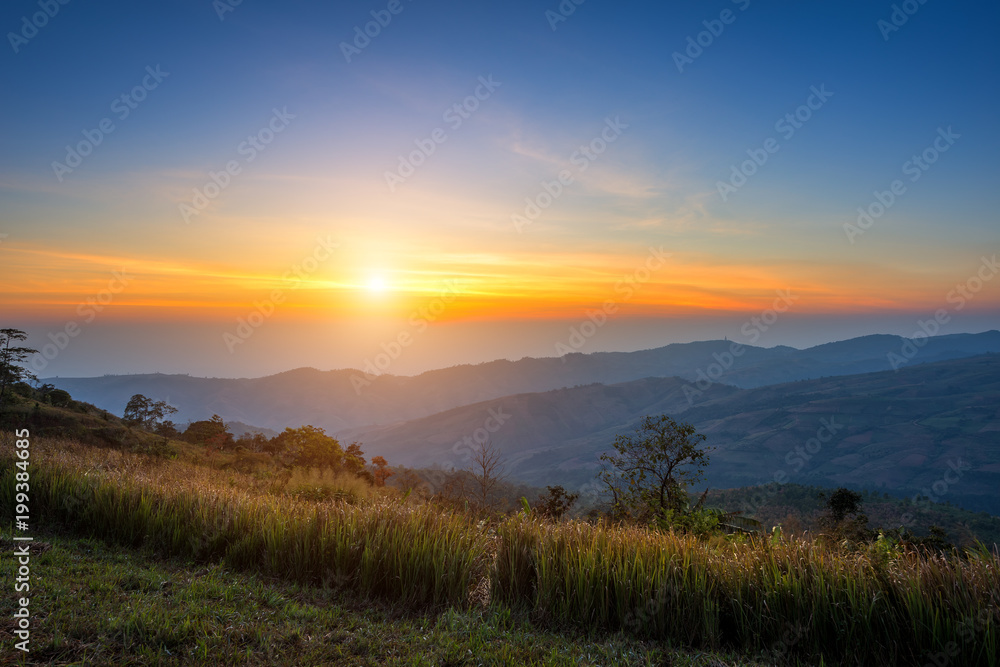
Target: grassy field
{"points": [[98, 604], [272, 567]]}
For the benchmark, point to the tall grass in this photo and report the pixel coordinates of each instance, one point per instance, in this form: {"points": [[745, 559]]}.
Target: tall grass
{"points": [[787, 598], [412, 554]]}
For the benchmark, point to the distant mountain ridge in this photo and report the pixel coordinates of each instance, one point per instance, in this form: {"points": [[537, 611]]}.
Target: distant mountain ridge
{"points": [[931, 428], [334, 400]]}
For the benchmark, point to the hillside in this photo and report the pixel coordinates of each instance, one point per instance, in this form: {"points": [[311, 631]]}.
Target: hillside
{"points": [[345, 399], [901, 432]]}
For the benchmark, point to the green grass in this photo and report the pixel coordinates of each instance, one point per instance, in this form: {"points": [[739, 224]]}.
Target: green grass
{"points": [[865, 607], [788, 600], [96, 604]]}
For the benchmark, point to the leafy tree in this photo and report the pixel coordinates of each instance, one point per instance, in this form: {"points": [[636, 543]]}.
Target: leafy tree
{"points": [[652, 469], [59, 397], [275, 445], [166, 428], [145, 412], [844, 518], [254, 442], [556, 503], [354, 459], [311, 446], [843, 502], [382, 472], [212, 433], [13, 359]]}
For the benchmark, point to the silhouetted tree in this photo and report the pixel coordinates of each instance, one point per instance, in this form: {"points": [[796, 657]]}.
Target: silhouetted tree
{"points": [[59, 397], [654, 467], [843, 502], [12, 360], [844, 518], [145, 412], [556, 503]]}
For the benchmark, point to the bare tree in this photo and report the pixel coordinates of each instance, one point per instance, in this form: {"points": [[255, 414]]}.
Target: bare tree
{"points": [[489, 470]]}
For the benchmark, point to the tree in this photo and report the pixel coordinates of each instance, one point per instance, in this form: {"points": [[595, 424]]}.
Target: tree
{"points": [[254, 442], [145, 412], [844, 517], [59, 397], [12, 360], [212, 433], [354, 459], [653, 468], [166, 429], [843, 502], [382, 472], [556, 503], [488, 470], [311, 446]]}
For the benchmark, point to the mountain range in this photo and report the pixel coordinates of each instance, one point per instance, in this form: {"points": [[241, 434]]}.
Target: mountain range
{"points": [[343, 399], [834, 414]]}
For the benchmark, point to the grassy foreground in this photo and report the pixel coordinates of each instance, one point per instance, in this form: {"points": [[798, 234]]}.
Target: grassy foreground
{"points": [[788, 601], [97, 604]]}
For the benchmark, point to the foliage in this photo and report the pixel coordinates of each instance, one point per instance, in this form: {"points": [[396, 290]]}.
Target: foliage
{"points": [[382, 471], [110, 606], [789, 598], [13, 359], [145, 412], [415, 556], [312, 447], [212, 433], [844, 520], [887, 604], [652, 469], [556, 503]]}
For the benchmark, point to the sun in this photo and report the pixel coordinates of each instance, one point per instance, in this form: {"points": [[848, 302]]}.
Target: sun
{"points": [[377, 285]]}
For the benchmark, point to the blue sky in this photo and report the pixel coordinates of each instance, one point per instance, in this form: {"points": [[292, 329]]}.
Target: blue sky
{"points": [[656, 185]]}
